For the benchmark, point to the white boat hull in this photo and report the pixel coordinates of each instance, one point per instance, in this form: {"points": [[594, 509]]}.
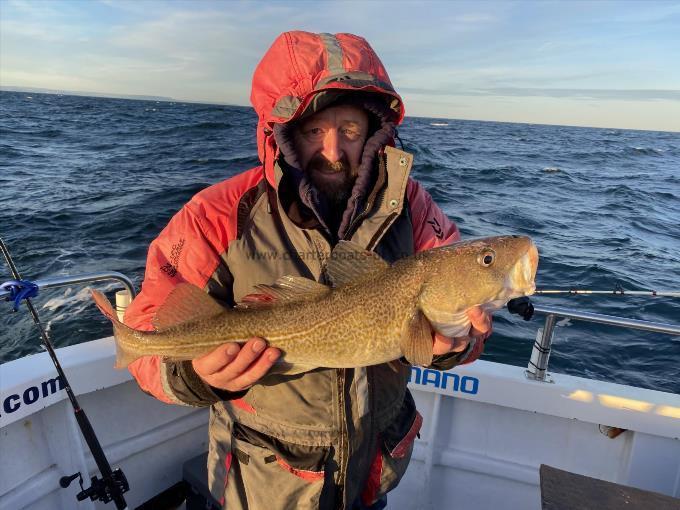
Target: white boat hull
{"points": [[487, 429]]}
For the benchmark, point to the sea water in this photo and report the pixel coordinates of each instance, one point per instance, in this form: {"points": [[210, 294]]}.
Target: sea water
{"points": [[87, 183]]}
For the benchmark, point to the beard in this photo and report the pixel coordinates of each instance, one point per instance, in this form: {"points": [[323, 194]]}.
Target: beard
{"points": [[333, 180]]}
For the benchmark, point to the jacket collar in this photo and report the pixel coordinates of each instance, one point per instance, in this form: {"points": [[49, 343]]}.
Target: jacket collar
{"points": [[384, 198]]}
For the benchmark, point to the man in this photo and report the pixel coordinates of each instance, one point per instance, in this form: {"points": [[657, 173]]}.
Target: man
{"points": [[328, 438]]}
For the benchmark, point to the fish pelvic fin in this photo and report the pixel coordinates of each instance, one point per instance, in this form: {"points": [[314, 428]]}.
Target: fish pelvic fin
{"points": [[124, 356], [416, 345]]}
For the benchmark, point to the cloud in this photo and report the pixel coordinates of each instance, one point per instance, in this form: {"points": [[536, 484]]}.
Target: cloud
{"points": [[33, 9], [35, 32], [660, 115], [462, 54], [605, 94], [618, 94]]}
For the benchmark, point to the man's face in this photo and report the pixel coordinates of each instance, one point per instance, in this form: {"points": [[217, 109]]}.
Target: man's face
{"points": [[329, 145]]}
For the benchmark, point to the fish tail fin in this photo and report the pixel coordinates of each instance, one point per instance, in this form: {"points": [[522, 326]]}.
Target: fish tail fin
{"points": [[124, 355]]}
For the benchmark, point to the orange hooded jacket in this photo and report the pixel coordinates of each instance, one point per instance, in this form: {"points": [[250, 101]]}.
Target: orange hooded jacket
{"points": [[298, 67]]}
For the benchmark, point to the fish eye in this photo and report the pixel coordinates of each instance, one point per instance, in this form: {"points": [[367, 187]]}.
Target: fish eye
{"points": [[487, 257]]}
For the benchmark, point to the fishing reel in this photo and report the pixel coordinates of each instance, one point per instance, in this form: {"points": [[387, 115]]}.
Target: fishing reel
{"points": [[521, 306], [100, 489]]}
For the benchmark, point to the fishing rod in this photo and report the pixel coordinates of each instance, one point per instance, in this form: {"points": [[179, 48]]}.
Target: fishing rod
{"points": [[523, 306], [617, 291], [113, 483]]}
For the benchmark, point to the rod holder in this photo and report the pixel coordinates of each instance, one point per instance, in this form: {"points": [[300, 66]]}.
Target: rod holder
{"points": [[540, 354], [123, 300]]}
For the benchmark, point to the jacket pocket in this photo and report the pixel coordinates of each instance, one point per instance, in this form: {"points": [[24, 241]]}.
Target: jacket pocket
{"points": [[300, 400], [270, 474], [395, 445]]}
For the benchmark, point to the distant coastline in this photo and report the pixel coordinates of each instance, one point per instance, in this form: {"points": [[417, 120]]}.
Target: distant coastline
{"points": [[37, 90], [109, 95]]}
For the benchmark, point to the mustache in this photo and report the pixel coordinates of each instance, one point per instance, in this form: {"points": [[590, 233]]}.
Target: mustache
{"points": [[319, 162]]}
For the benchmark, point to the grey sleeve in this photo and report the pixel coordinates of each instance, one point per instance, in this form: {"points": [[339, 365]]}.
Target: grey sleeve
{"points": [[188, 388]]}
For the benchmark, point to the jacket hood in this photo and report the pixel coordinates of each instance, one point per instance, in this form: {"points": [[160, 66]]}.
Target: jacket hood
{"points": [[303, 72]]}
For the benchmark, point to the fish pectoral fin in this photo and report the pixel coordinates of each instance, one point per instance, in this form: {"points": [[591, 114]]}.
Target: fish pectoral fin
{"points": [[186, 302], [349, 262], [416, 345]]}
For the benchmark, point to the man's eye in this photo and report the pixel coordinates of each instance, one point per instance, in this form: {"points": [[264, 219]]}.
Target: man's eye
{"points": [[352, 134], [313, 133]]}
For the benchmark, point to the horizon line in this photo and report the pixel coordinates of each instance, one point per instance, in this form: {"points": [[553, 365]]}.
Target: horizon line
{"points": [[166, 99]]}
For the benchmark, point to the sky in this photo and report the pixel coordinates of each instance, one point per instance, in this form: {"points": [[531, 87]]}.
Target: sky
{"points": [[584, 63]]}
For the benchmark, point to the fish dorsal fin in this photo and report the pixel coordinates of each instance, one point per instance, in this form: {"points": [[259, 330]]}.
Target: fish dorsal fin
{"points": [[416, 345], [286, 289], [349, 262], [186, 302]]}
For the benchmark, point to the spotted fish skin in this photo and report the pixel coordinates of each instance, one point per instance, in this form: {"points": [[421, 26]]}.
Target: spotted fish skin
{"points": [[373, 313]]}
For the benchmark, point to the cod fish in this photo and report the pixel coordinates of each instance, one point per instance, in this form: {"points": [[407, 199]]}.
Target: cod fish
{"points": [[372, 312]]}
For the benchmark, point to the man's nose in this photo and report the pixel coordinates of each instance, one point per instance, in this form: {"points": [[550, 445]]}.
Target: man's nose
{"points": [[331, 146]]}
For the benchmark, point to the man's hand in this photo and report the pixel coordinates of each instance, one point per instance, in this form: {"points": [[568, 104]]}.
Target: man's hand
{"points": [[233, 367], [480, 328]]}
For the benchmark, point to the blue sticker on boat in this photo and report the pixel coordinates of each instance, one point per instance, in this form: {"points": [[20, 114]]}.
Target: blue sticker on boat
{"points": [[444, 380], [31, 395]]}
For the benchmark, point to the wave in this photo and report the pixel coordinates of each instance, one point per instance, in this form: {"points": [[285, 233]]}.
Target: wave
{"points": [[101, 147], [10, 152], [190, 128], [40, 133], [645, 151], [624, 191], [68, 297]]}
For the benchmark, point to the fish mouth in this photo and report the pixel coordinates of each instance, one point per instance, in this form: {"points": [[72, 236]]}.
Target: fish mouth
{"points": [[521, 279]]}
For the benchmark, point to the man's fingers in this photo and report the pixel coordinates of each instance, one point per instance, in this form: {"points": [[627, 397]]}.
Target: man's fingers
{"points": [[476, 333], [216, 359], [480, 329], [255, 371], [246, 356], [231, 356], [252, 362], [480, 321], [444, 344]]}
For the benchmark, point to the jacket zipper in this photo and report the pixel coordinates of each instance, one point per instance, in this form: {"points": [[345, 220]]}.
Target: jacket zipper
{"points": [[343, 444], [343, 440]]}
